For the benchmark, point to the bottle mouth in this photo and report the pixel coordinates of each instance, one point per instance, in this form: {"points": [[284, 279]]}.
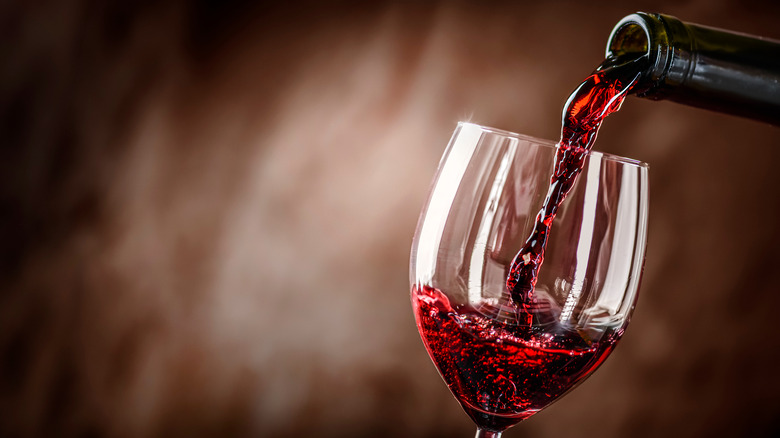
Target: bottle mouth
{"points": [[630, 37], [647, 36]]}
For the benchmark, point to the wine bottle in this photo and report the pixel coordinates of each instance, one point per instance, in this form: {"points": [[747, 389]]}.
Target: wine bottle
{"points": [[701, 66]]}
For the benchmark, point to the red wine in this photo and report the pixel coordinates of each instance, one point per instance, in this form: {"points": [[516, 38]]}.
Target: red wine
{"points": [[502, 373], [599, 95], [505, 370]]}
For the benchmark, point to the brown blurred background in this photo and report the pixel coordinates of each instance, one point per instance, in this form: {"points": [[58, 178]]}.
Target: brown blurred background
{"points": [[207, 208]]}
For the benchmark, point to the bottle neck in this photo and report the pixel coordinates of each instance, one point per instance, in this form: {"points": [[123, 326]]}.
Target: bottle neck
{"points": [[701, 66]]}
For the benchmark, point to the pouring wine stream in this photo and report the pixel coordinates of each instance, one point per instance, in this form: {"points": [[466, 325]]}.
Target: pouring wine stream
{"points": [[598, 96]]}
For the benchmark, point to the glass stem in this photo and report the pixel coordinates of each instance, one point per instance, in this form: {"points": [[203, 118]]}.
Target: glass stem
{"points": [[487, 434]]}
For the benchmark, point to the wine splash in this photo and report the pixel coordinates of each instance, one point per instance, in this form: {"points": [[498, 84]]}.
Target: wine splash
{"points": [[598, 96], [502, 374]]}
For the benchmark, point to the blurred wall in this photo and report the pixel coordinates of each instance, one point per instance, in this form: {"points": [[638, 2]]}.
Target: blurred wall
{"points": [[207, 212]]}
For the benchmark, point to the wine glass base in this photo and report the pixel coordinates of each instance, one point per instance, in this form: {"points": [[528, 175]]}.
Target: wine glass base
{"points": [[487, 434], [493, 423]]}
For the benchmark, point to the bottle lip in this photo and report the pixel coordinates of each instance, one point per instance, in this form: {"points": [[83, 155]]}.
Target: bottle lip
{"points": [[665, 43], [631, 35]]}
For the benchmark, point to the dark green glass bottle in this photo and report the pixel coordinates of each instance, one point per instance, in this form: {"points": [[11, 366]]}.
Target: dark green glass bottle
{"points": [[701, 66]]}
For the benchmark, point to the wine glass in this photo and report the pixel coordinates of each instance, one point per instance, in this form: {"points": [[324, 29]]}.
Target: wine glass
{"points": [[489, 186]]}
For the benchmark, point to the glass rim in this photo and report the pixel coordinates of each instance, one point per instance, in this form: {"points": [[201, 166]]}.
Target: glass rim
{"points": [[554, 144]]}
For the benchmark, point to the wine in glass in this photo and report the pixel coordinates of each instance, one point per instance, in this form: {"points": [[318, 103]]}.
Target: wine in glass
{"points": [[502, 361]]}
